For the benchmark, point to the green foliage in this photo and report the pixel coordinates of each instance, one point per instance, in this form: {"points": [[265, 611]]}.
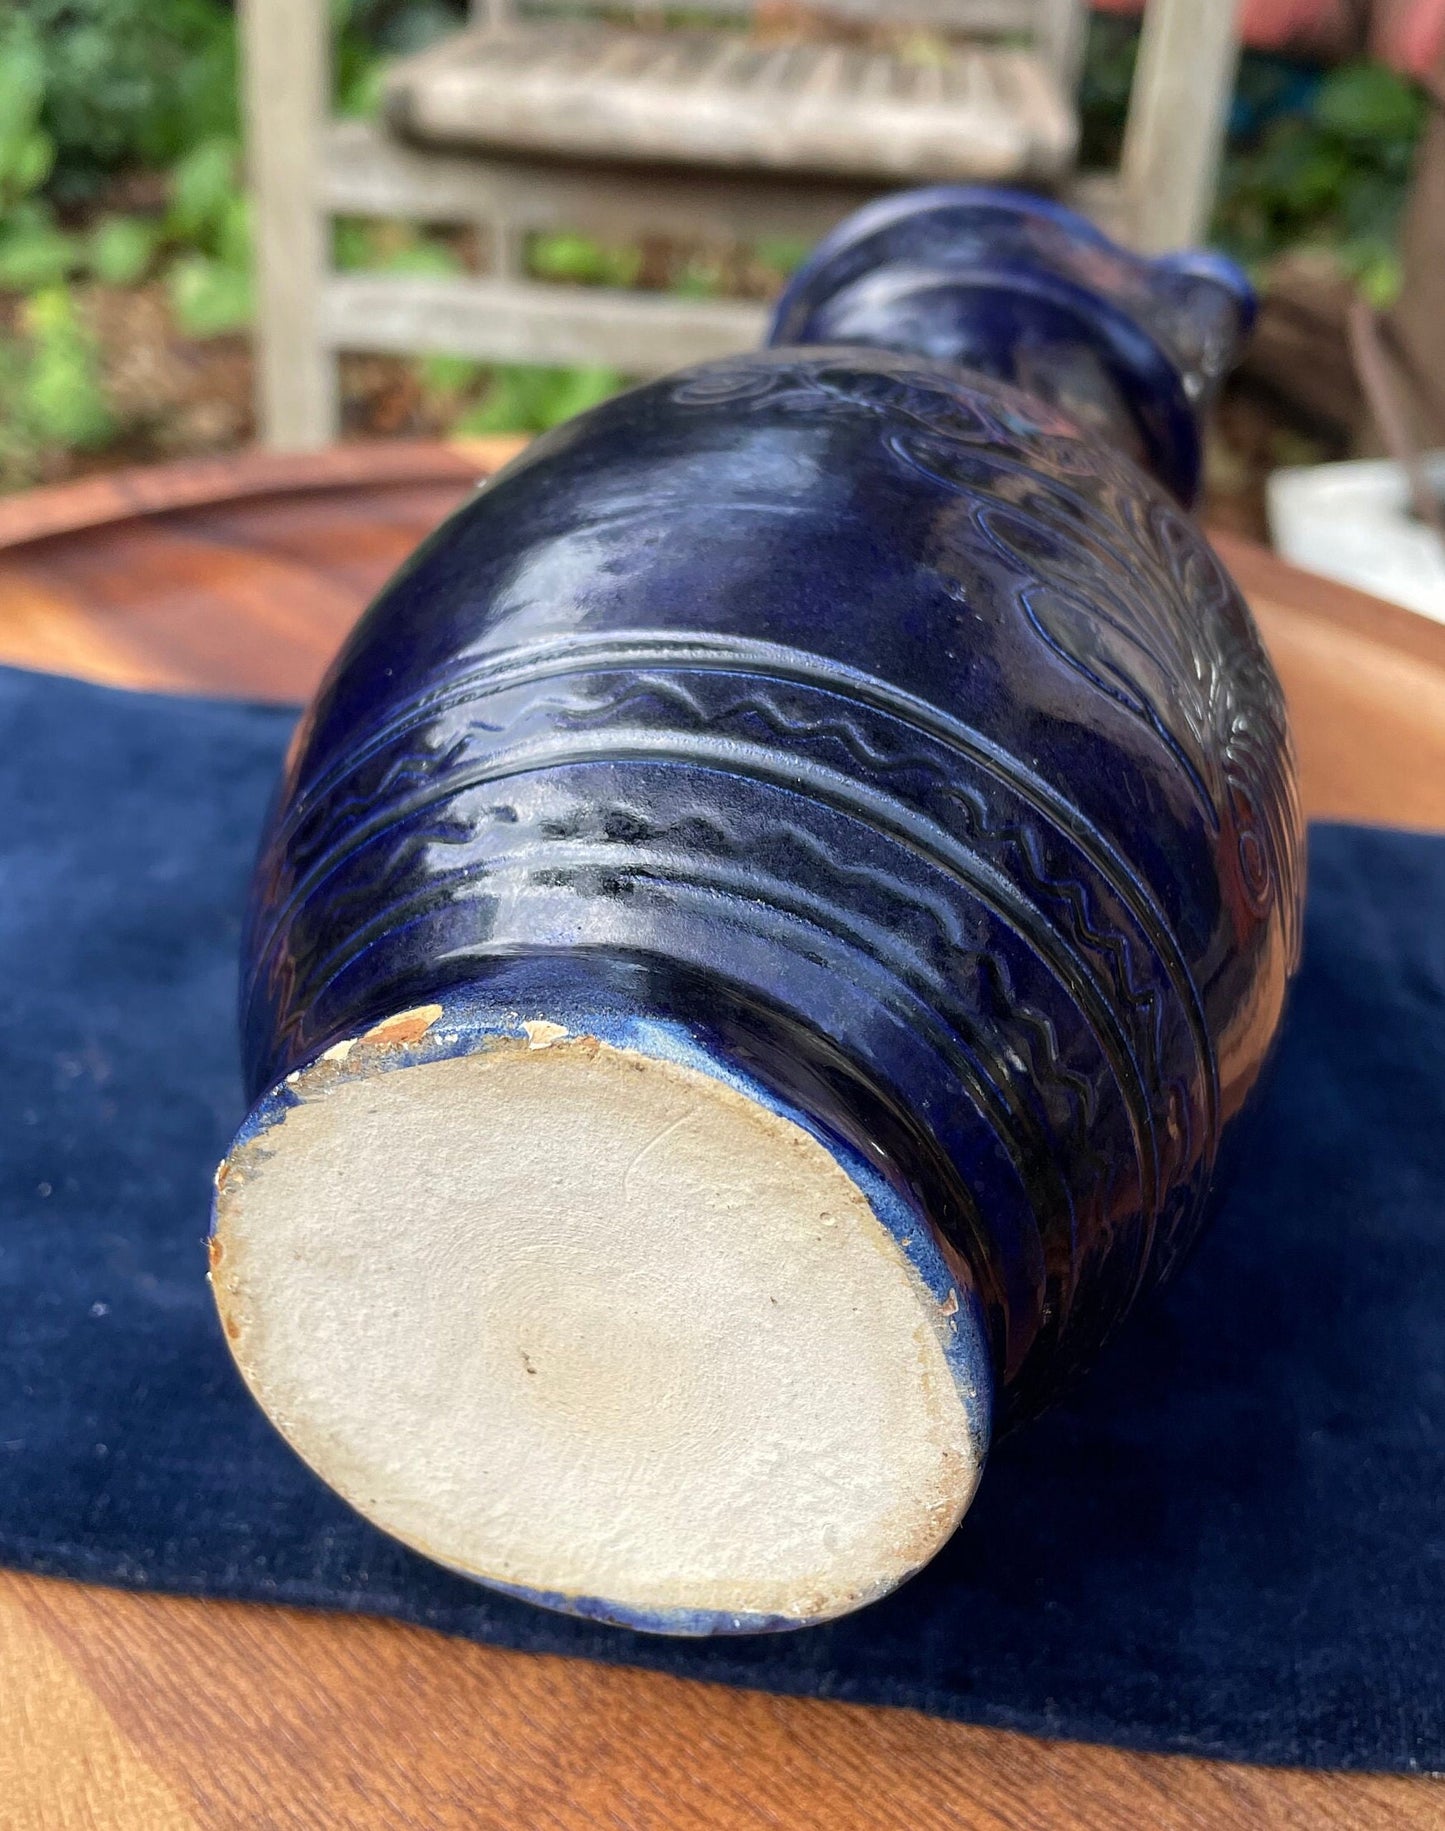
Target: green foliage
{"points": [[50, 387], [206, 232], [33, 251], [121, 249], [1333, 172], [129, 82], [27, 152], [422, 256], [525, 398], [209, 280], [1368, 106], [447, 378], [385, 246], [583, 261], [364, 32], [700, 277], [62, 389], [1111, 49], [203, 187], [208, 297], [105, 82], [350, 244], [139, 83], [1311, 161], [783, 254]]}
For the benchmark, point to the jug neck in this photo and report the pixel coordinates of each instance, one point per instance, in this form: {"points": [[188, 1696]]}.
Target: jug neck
{"points": [[1026, 291]]}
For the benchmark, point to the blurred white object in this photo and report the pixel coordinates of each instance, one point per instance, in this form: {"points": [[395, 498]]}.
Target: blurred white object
{"points": [[1353, 522]]}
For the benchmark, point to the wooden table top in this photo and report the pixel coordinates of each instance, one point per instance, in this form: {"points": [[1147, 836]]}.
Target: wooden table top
{"points": [[151, 1713]]}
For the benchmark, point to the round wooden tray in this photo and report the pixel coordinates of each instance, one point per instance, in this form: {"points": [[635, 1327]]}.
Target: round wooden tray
{"points": [[144, 1712]]}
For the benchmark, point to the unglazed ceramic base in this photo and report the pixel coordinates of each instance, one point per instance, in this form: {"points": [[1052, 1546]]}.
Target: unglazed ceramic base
{"points": [[596, 1326]]}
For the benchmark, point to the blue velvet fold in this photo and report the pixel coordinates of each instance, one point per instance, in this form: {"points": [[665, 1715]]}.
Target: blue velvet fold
{"points": [[1230, 1539]]}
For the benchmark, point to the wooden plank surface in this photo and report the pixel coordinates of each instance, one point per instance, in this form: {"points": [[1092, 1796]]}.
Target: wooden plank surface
{"points": [[367, 171], [502, 320], [1366, 688], [285, 82], [140, 1713], [581, 91], [148, 1713], [1174, 134]]}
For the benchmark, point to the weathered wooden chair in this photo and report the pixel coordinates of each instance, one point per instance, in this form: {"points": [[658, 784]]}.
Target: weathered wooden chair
{"points": [[526, 122]]}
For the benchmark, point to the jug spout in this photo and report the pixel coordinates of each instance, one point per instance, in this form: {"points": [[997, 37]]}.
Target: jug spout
{"points": [[1205, 313], [1026, 291]]}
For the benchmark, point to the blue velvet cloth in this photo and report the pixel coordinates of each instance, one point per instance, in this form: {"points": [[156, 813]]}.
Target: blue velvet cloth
{"points": [[1230, 1539]]}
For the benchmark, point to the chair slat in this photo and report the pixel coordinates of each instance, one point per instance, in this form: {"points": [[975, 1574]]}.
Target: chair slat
{"points": [[697, 99], [368, 172], [525, 126], [826, 76], [979, 17], [520, 321]]}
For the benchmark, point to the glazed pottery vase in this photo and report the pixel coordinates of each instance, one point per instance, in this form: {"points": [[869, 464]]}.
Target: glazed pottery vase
{"points": [[763, 932]]}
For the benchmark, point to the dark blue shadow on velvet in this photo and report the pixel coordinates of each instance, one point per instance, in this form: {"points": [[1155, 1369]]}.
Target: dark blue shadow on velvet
{"points": [[1231, 1540]]}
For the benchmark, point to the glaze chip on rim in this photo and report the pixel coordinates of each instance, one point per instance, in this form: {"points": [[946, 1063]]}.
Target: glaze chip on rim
{"points": [[600, 1325]]}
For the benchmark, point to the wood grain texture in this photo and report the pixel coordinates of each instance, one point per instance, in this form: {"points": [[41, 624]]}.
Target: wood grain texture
{"points": [[232, 576], [580, 91], [129, 495], [369, 172], [501, 320], [1174, 134], [146, 1713], [1060, 30], [978, 17], [283, 92]]}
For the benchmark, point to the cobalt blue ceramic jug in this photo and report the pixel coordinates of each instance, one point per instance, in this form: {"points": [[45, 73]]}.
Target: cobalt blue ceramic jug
{"points": [[763, 931]]}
